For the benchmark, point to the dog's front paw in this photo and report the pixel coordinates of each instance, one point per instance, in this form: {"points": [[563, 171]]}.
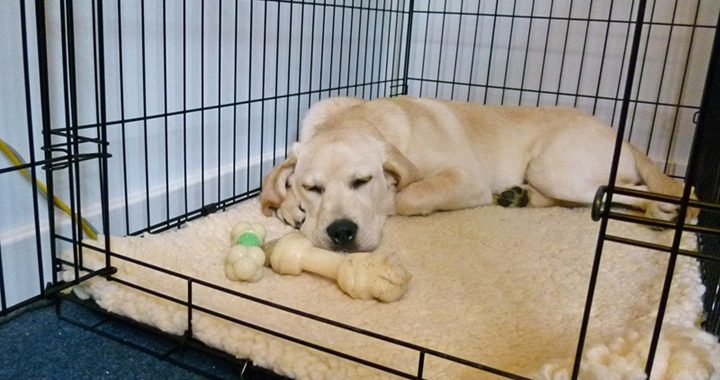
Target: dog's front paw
{"points": [[292, 214], [513, 197]]}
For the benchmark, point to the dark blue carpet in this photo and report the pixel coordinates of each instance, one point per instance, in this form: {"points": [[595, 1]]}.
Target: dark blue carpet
{"points": [[38, 344]]}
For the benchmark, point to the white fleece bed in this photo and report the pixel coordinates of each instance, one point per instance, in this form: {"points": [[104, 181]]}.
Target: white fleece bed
{"points": [[502, 287]]}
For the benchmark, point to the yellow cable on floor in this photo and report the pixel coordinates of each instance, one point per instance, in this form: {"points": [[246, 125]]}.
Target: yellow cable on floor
{"points": [[17, 160]]}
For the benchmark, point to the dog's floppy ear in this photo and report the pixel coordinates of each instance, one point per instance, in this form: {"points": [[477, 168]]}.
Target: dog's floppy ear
{"points": [[275, 187], [400, 170]]}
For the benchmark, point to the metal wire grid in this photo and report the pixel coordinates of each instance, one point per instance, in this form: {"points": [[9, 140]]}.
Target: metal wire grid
{"points": [[395, 49], [11, 299], [216, 88]]}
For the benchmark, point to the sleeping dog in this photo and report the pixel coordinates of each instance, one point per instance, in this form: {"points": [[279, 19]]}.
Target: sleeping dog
{"points": [[359, 161]]}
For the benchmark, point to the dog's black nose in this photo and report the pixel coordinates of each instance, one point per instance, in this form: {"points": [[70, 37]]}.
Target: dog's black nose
{"points": [[342, 232]]}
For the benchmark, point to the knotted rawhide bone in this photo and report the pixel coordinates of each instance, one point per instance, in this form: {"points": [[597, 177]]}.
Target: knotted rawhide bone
{"points": [[363, 275], [245, 258]]}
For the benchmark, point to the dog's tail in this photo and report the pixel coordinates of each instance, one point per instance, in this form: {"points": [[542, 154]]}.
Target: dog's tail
{"points": [[652, 176], [659, 182]]}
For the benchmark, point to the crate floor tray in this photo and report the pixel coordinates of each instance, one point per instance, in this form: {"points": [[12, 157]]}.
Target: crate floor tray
{"points": [[504, 288]]}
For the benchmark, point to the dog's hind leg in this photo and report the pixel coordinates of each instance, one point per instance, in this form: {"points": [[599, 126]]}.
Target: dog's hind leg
{"points": [[450, 189], [575, 162]]}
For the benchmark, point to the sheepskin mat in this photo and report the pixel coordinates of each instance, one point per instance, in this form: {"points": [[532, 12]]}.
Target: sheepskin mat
{"points": [[501, 287]]}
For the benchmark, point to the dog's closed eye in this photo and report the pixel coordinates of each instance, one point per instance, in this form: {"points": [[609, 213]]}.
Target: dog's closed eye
{"points": [[314, 189], [360, 182]]}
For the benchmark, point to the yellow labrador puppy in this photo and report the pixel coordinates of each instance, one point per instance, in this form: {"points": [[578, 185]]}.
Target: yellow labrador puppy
{"points": [[359, 161]]}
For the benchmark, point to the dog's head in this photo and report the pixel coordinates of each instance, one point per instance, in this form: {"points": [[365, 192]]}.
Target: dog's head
{"points": [[338, 188]]}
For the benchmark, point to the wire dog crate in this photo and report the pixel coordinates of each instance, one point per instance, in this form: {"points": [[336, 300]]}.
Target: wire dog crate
{"points": [[145, 115]]}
